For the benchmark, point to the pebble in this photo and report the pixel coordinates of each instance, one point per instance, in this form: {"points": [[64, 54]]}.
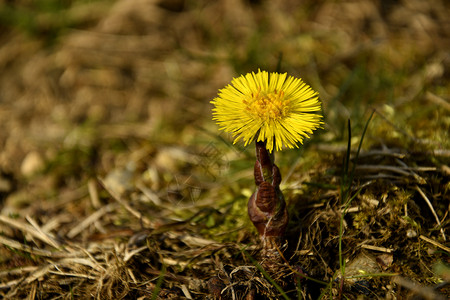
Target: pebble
{"points": [[32, 164]]}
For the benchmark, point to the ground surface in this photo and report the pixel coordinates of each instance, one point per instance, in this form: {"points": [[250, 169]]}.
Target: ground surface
{"points": [[115, 183]]}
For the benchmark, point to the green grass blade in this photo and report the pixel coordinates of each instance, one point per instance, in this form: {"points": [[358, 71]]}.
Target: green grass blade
{"points": [[159, 283]]}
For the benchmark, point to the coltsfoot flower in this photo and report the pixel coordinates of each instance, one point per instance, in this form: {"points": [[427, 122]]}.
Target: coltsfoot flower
{"points": [[277, 109]]}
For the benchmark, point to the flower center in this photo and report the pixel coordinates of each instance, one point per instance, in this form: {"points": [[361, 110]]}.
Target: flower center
{"points": [[271, 106]]}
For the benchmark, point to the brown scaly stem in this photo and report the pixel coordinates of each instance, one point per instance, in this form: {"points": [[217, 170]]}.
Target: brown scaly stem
{"points": [[266, 207]]}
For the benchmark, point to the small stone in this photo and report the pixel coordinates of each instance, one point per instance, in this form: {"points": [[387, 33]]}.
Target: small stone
{"points": [[411, 233], [32, 164]]}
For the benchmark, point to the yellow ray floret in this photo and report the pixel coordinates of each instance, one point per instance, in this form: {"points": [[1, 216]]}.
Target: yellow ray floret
{"points": [[278, 109]]}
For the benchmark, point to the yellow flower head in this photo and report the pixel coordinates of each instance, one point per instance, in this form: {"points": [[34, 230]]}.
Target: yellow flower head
{"points": [[276, 109]]}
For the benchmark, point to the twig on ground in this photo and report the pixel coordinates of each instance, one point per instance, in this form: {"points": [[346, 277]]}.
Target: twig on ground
{"points": [[439, 245], [40, 272], [18, 271], [44, 236], [432, 210], [65, 274], [377, 248], [18, 246], [93, 193], [437, 100], [32, 230]]}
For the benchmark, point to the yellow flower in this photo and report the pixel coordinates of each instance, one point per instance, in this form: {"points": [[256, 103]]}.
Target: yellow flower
{"points": [[277, 109]]}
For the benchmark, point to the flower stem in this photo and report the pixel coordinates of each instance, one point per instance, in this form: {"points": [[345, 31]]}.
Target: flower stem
{"points": [[266, 207]]}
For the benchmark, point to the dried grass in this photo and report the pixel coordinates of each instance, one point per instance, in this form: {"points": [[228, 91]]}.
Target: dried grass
{"points": [[114, 182]]}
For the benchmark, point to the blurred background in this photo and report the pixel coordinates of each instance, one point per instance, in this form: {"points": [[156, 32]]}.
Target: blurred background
{"points": [[80, 79]]}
